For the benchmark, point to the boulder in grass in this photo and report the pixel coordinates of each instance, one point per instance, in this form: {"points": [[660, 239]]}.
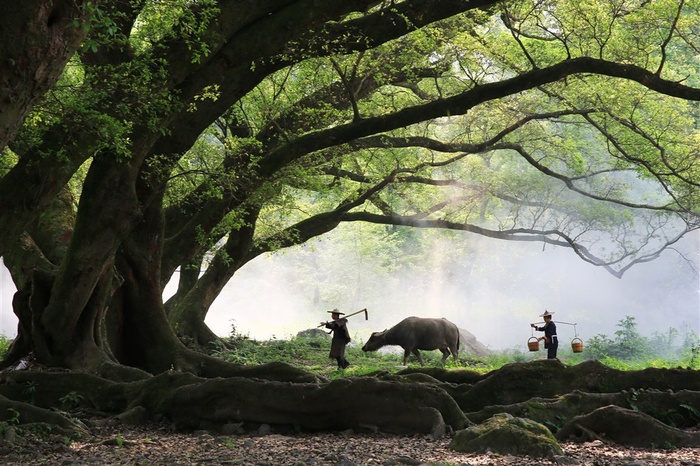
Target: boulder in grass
{"points": [[507, 435], [312, 333]]}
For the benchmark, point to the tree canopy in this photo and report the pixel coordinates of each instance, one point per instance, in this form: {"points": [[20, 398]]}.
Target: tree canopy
{"points": [[144, 137]]}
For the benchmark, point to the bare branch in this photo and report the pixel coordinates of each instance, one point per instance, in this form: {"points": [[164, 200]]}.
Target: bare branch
{"points": [[671, 33]]}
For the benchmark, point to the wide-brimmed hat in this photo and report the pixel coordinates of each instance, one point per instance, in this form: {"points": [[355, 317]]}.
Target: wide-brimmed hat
{"points": [[336, 311], [546, 314]]}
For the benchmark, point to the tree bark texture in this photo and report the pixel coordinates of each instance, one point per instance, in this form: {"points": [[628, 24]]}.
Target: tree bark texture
{"points": [[37, 38]]}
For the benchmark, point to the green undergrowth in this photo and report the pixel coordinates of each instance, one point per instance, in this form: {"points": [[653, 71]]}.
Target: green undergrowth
{"points": [[4, 345], [626, 350], [311, 353]]}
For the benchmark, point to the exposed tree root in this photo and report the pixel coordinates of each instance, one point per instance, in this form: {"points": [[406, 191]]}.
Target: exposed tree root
{"points": [[417, 401]]}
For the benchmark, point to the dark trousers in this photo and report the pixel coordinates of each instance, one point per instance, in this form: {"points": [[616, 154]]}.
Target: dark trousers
{"points": [[342, 363]]}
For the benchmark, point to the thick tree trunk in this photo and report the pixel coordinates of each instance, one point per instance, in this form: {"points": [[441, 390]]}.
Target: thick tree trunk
{"points": [[141, 333], [37, 37], [140, 302], [189, 307], [107, 212], [188, 315], [32, 262]]}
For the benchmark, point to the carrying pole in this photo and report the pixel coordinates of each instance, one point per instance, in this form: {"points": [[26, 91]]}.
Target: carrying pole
{"points": [[354, 313], [557, 322], [565, 323]]}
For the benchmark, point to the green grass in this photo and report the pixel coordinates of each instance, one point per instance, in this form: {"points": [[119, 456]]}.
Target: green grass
{"points": [[311, 354], [4, 346]]}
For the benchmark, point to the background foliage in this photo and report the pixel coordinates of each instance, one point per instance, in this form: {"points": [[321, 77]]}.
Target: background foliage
{"points": [[626, 350]]}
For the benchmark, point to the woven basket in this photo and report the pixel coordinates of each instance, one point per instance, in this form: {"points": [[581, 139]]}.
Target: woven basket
{"points": [[577, 345], [533, 344]]}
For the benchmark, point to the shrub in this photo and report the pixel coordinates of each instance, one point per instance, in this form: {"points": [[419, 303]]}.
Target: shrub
{"points": [[629, 349], [4, 346]]}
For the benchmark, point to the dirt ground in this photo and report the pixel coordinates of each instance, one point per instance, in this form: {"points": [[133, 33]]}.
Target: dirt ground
{"points": [[157, 445]]}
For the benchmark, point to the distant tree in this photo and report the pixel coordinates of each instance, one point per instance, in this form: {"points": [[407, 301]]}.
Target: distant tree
{"points": [[666, 343], [629, 343], [197, 135]]}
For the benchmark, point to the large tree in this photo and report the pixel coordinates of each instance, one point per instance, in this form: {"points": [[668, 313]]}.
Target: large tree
{"points": [[190, 135]]}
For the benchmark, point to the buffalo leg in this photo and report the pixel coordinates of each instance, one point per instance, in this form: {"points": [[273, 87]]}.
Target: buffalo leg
{"points": [[445, 354], [420, 358]]}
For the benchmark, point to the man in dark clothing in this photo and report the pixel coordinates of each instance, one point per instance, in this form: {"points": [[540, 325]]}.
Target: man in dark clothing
{"points": [[341, 337], [551, 341]]}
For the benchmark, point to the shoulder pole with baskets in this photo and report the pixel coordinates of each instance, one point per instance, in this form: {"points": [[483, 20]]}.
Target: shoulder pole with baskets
{"points": [[576, 343], [533, 343]]}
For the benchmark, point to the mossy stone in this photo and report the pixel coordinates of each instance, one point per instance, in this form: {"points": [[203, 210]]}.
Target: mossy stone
{"points": [[505, 434]]}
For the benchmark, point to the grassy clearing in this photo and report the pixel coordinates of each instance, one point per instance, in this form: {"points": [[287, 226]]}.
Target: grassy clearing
{"points": [[311, 353], [626, 350]]}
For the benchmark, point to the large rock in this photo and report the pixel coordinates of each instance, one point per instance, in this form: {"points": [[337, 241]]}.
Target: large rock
{"points": [[507, 435], [312, 333], [468, 344]]}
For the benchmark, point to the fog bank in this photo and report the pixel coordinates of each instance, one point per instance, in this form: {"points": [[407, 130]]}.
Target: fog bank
{"points": [[494, 293], [495, 296]]}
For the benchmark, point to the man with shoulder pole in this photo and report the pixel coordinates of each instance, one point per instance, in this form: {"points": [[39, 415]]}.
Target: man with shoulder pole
{"points": [[341, 337], [551, 341]]}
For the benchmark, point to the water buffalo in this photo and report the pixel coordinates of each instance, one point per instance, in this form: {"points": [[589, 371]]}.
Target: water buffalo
{"points": [[418, 333]]}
